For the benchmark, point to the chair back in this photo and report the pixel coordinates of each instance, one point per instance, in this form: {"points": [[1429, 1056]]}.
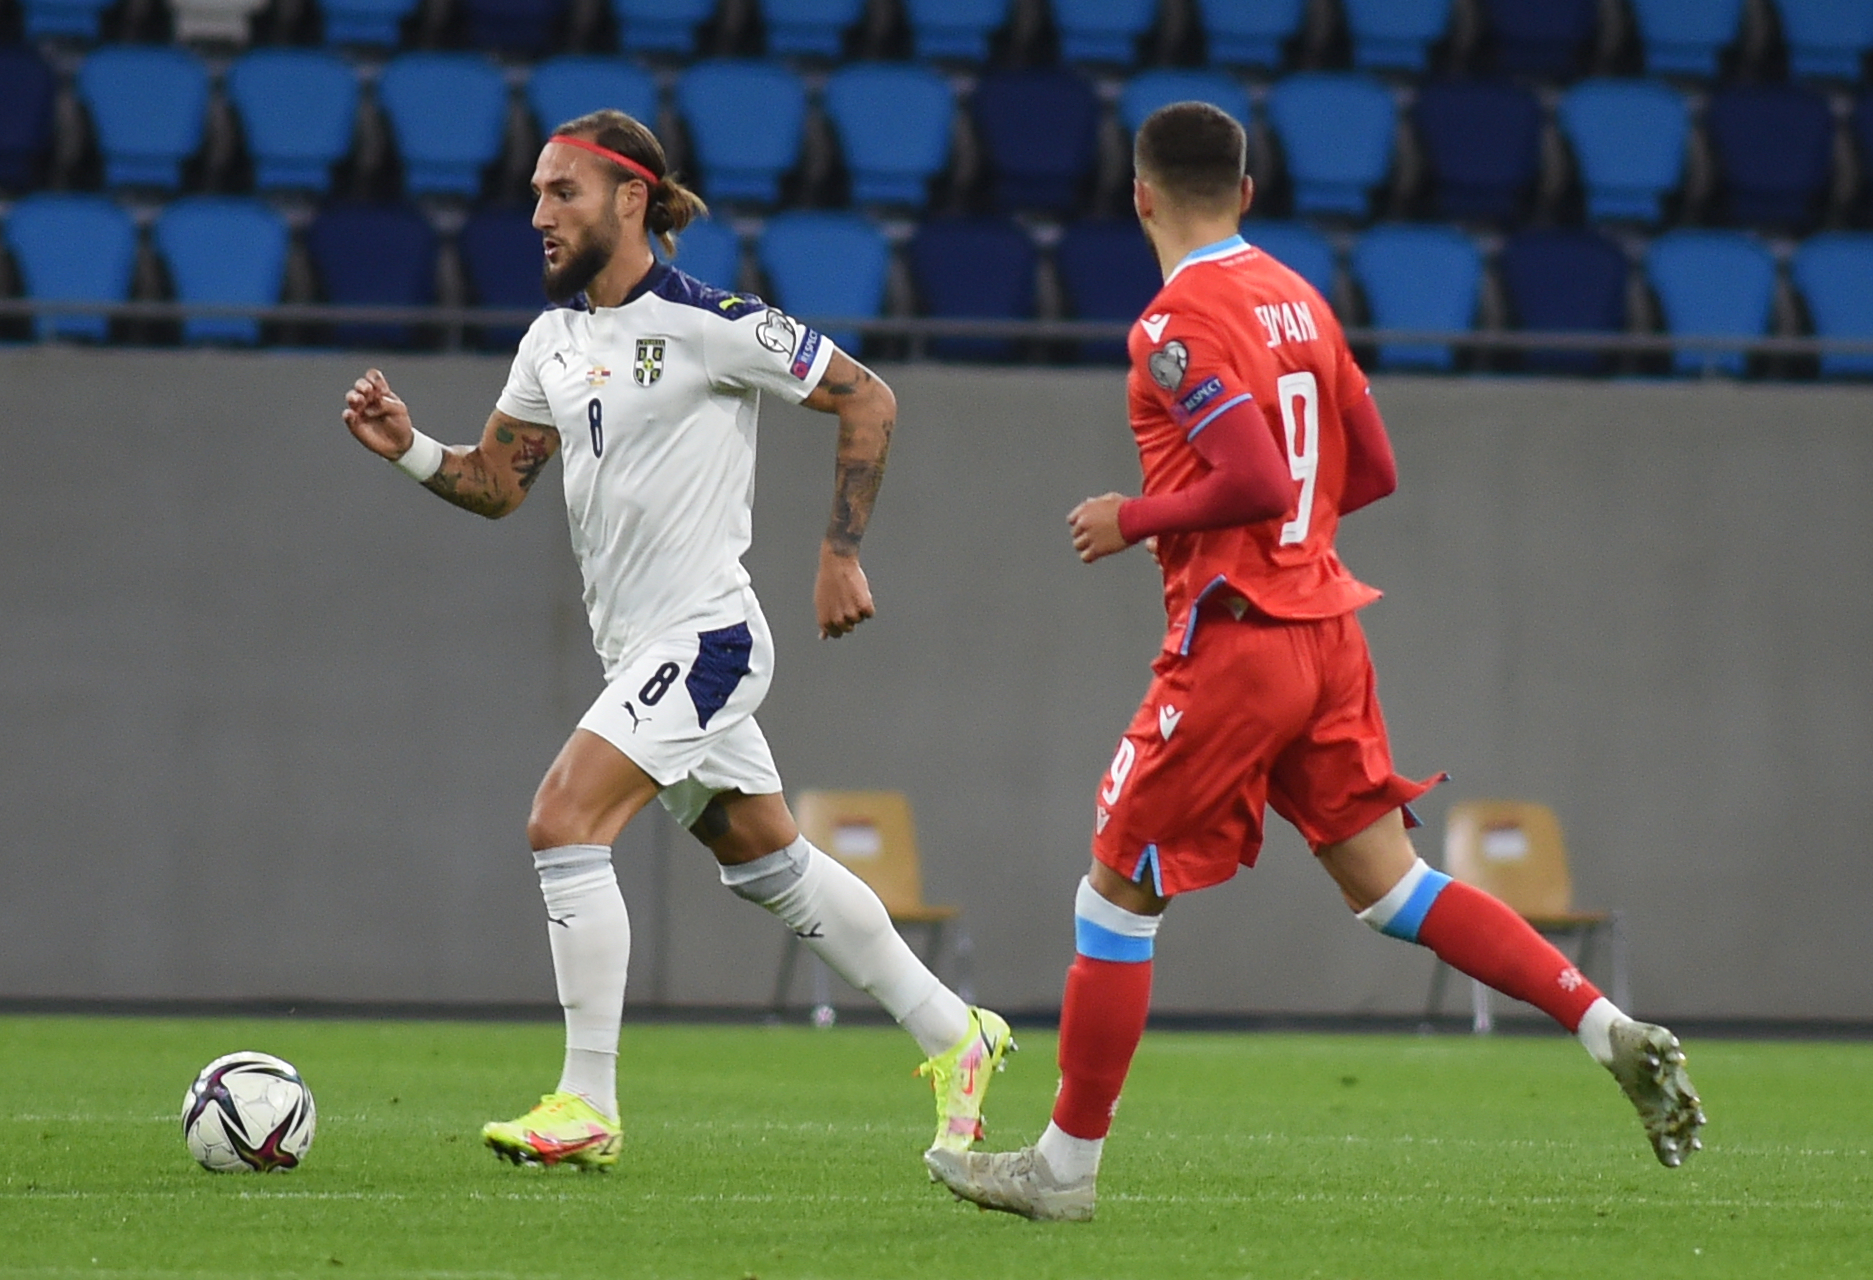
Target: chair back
{"points": [[1684, 37], [1336, 130], [1513, 850], [448, 113], [1834, 273], [1712, 282], [746, 121], [1040, 130], [1418, 277], [1249, 32], [567, 87], [871, 832], [298, 109]]}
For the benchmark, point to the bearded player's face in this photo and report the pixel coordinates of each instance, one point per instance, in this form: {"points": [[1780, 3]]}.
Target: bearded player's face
{"points": [[576, 214]]}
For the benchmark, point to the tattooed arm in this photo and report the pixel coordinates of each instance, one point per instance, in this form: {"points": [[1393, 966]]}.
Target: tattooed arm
{"points": [[867, 412], [489, 479]]}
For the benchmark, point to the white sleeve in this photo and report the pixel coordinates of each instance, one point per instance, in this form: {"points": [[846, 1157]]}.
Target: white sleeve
{"points": [[523, 397], [767, 350]]}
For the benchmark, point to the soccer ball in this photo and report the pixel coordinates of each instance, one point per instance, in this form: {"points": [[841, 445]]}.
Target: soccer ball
{"points": [[248, 1112]]}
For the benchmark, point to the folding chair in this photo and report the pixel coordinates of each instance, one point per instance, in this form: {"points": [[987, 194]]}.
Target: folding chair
{"points": [[1513, 850], [872, 833]]}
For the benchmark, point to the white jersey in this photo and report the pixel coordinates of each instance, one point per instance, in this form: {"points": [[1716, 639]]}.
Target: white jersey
{"points": [[655, 401]]}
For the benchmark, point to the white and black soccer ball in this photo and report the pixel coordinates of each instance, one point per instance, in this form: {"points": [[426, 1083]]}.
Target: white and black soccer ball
{"points": [[248, 1112]]}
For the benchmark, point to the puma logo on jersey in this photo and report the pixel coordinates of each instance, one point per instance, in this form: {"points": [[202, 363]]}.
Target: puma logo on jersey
{"points": [[1168, 716], [1154, 325], [1287, 322]]}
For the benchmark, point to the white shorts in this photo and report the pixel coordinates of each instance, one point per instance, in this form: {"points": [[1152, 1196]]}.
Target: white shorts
{"points": [[683, 711]]}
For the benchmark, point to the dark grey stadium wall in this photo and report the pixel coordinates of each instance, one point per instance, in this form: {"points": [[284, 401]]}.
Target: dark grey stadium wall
{"points": [[270, 716]]}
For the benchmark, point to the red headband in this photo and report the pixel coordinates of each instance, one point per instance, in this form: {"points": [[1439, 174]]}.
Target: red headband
{"points": [[631, 166]]}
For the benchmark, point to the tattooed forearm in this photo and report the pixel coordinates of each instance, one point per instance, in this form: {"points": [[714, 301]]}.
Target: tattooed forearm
{"points": [[858, 474], [535, 452], [466, 481]]}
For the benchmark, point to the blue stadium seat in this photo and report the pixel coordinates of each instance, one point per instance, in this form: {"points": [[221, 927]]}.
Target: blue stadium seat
{"points": [[1542, 37], [1565, 280], [1336, 132], [824, 265], [1712, 282], [72, 248], [27, 87], [1629, 137], [368, 22], [514, 26], [565, 88], [1418, 278], [1483, 141], [1684, 37], [1395, 35], [1109, 273], [1834, 273], [1826, 37], [809, 27], [1103, 30], [1149, 90], [711, 252], [955, 28], [974, 268], [448, 112], [149, 104], [374, 255], [1775, 146], [1040, 128], [1297, 246], [77, 18], [501, 257], [745, 121], [1250, 33], [298, 108], [224, 249], [660, 26], [894, 122]]}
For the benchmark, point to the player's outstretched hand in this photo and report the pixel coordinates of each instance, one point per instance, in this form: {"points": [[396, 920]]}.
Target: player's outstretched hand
{"points": [[375, 415], [841, 596], [1095, 526]]}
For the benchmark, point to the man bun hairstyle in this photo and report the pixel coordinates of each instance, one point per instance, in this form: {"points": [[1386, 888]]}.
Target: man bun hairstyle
{"points": [[1193, 152], [671, 206]]}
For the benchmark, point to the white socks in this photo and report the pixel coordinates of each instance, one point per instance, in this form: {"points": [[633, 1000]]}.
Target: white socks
{"points": [[1072, 1159], [1595, 1031], [837, 914], [591, 937]]}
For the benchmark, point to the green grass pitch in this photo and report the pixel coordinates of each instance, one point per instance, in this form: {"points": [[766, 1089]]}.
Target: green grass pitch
{"points": [[786, 1152]]}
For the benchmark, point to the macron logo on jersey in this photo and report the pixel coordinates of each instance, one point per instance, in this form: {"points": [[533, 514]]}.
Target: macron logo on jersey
{"points": [[1154, 325]]}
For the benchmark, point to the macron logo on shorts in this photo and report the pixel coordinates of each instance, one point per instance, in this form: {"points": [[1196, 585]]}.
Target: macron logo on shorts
{"points": [[1168, 716]]}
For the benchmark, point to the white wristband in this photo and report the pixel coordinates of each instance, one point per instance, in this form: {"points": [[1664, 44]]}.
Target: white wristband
{"points": [[422, 459]]}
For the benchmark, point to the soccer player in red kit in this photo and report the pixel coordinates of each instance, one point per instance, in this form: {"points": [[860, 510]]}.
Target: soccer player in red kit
{"points": [[1257, 433]]}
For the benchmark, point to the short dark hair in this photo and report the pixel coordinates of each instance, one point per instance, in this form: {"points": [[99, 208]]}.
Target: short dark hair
{"points": [[672, 206], [1194, 152]]}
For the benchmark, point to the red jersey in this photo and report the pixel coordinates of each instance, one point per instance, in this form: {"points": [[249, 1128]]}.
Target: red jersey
{"points": [[1234, 329]]}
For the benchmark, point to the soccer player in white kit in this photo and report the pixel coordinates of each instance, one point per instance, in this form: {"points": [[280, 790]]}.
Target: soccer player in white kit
{"points": [[648, 383]]}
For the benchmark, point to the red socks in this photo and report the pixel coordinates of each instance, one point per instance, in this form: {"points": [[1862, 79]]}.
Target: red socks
{"points": [[1478, 935], [1102, 1018]]}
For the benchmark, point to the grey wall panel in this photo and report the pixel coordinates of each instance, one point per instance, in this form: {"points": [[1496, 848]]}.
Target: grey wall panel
{"points": [[270, 716]]}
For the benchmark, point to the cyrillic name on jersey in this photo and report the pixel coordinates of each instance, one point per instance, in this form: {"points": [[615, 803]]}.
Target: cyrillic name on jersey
{"points": [[1288, 322]]}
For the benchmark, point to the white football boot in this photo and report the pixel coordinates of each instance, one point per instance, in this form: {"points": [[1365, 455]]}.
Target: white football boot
{"points": [[1012, 1182]]}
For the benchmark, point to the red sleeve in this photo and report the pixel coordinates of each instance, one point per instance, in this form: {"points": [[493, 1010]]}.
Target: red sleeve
{"points": [[1371, 470], [1248, 481]]}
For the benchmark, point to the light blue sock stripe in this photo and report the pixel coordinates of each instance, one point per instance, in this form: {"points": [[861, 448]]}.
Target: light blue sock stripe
{"points": [[1100, 943], [1410, 917]]}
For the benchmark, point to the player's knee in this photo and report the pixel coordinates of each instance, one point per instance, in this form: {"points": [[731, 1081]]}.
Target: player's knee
{"points": [[554, 820], [1400, 912]]}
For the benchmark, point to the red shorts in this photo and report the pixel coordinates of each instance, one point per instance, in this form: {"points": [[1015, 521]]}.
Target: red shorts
{"points": [[1260, 711]]}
